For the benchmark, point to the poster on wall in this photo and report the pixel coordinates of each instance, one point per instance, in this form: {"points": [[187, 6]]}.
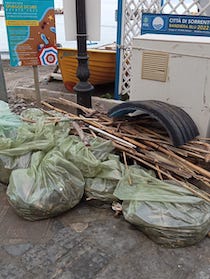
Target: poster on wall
{"points": [[31, 32]]}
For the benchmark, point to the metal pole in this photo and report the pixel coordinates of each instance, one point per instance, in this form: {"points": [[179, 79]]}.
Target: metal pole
{"points": [[83, 88], [3, 90], [36, 84], [118, 50]]}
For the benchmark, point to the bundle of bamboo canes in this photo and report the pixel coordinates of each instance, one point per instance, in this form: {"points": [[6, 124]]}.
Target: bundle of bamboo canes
{"points": [[145, 142]]}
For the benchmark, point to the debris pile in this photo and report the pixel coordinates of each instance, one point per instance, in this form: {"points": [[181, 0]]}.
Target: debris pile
{"points": [[171, 210], [54, 157], [144, 140]]}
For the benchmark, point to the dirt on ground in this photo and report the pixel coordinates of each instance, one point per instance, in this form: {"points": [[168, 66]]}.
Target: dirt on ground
{"points": [[87, 242], [23, 77]]}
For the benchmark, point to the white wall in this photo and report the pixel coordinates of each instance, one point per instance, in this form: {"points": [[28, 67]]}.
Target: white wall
{"points": [[203, 3]]}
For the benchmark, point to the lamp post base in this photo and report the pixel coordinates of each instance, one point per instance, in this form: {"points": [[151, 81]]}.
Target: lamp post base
{"points": [[84, 90]]}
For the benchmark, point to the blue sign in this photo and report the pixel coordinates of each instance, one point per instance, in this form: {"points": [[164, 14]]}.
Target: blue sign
{"points": [[31, 32], [189, 25]]}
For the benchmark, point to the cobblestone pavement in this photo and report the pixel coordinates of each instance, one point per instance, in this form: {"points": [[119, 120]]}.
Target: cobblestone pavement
{"points": [[88, 242]]}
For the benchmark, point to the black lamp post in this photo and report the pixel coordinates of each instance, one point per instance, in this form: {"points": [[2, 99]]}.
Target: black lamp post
{"points": [[83, 88]]}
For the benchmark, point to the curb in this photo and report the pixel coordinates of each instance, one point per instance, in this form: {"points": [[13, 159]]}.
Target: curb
{"points": [[29, 94]]}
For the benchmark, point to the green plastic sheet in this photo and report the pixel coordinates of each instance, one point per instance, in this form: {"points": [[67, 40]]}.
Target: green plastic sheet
{"points": [[167, 213], [103, 185]]}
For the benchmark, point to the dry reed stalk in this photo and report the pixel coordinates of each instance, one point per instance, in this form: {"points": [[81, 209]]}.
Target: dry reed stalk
{"points": [[158, 172], [126, 166], [70, 115], [73, 105], [174, 156], [80, 133], [192, 148]]}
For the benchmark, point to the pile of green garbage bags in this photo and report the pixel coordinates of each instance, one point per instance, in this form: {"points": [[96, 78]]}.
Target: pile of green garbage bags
{"points": [[48, 171], [46, 168]]}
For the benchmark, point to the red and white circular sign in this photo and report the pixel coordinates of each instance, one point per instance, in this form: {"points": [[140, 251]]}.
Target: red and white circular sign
{"points": [[48, 56]]}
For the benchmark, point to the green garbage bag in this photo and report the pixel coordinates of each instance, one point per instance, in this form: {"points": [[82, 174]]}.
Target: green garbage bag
{"points": [[9, 122], [61, 128], [101, 148], [81, 156], [167, 213], [103, 185], [16, 152], [7, 164], [51, 185]]}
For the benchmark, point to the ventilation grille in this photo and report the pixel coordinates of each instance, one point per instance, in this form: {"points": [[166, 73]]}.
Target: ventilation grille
{"points": [[155, 65]]}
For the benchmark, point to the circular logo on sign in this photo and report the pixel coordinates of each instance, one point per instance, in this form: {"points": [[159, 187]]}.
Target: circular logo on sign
{"points": [[48, 56], [158, 23]]}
